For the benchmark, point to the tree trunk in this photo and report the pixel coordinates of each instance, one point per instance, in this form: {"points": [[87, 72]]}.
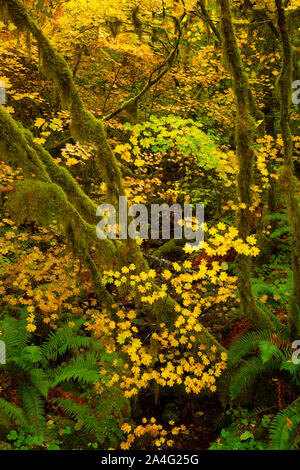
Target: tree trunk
{"points": [[244, 134], [288, 180], [17, 148]]}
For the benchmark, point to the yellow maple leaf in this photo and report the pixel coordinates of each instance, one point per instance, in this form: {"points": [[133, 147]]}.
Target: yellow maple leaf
{"points": [[39, 122]]}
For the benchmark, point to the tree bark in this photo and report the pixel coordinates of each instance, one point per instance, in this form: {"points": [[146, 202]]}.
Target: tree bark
{"points": [[288, 180], [17, 147], [244, 134]]}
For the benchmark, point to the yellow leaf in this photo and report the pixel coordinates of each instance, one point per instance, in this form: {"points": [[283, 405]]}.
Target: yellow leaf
{"points": [[71, 161], [139, 162], [39, 141], [39, 122]]}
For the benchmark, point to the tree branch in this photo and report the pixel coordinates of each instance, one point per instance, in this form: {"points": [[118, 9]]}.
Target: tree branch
{"points": [[160, 70], [206, 16]]}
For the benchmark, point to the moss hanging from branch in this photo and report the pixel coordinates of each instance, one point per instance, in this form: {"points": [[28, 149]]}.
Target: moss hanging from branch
{"points": [[59, 175], [37, 199], [41, 202], [245, 130], [85, 128], [18, 149], [288, 180], [15, 151]]}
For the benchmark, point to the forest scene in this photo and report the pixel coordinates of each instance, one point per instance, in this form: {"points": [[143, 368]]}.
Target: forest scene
{"points": [[176, 332]]}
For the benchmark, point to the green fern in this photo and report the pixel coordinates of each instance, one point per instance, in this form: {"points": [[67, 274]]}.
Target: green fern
{"points": [[254, 355], [58, 342], [248, 372], [83, 369], [13, 412], [14, 334], [285, 428], [277, 216], [34, 408], [36, 369], [103, 426], [248, 343]]}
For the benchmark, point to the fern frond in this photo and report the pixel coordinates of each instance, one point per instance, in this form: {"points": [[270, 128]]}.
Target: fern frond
{"points": [[277, 216], [247, 373], [40, 381], [285, 427], [62, 339], [83, 369], [15, 335], [13, 412], [249, 342], [291, 368], [82, 413], [34, 408]]}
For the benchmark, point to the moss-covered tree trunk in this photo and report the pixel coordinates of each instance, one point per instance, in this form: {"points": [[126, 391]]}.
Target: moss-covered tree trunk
{"points": [[55, 189], [85, 128], [244, 133], [288, 180]]}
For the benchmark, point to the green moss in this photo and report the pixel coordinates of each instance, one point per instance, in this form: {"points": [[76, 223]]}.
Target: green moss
{"points": [[288, 181], [65, 180], [245, 132], [5, 446], [42, 202], [15, 151], [170, 249]]}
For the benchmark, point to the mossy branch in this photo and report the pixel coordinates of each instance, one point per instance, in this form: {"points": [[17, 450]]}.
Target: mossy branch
{"points": [[207, 18], [245, 131], [15, 151], [50, 189], [155, 76], [42, 202], [85, 128]]}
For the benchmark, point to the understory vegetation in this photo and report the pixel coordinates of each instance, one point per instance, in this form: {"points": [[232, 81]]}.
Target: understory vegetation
{"points": [[149, 343]]}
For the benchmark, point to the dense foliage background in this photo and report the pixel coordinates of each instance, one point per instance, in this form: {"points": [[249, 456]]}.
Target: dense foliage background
{"points": [[146, 344]]}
